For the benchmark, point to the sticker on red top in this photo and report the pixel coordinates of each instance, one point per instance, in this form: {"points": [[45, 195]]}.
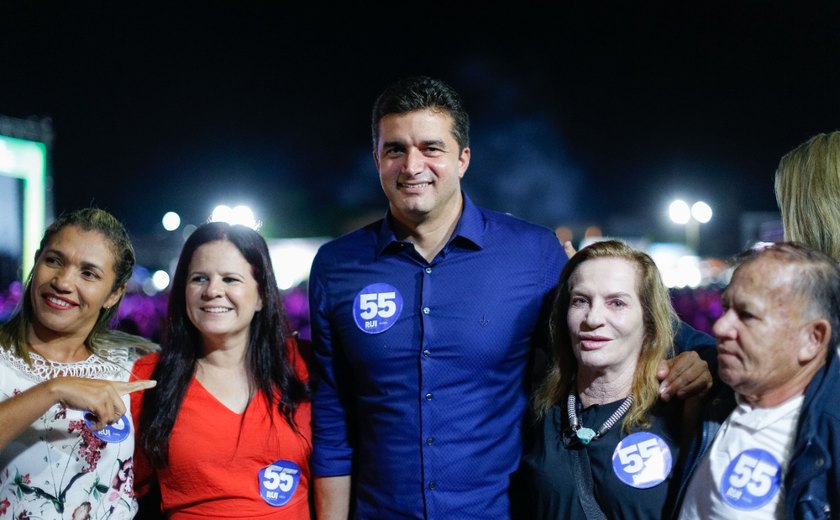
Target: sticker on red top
{"points": [[751, 480], [642, 460], [278, 482], [377, 307], [116, 432]]}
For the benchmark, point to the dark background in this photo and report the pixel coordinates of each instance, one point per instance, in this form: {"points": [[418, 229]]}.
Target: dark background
{"points": [[581, 115]]}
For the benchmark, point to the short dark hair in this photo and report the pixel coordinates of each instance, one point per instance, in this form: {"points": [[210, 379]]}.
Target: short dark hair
{"points": [[418, 93]]}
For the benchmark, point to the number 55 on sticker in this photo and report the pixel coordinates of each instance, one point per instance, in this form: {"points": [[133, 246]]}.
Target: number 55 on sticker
{"points": [[751, 480], [377, 307], [278, 482], [642, 460]]}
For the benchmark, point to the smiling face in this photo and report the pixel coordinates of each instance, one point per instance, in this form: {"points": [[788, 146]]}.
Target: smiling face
{"points": [[222, 295], [72, 281], [420, 166], [605, 316], [762, 334]]}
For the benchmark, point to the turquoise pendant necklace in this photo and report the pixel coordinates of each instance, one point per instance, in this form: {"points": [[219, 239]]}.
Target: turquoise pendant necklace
{"points": [[586, 435]]}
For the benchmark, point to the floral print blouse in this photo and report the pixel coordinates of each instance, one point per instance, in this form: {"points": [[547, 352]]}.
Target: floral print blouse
{"points": [[59, 468]]}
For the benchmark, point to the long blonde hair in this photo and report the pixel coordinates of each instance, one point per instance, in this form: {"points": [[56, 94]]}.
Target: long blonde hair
{"points": [[808, 190], [658, 316]]}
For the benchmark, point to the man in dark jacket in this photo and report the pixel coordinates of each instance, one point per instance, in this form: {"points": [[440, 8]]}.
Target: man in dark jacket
{"points": [[777, 453]]}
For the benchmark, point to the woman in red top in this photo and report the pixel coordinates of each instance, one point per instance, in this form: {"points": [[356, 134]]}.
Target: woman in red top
{"points": [[226, 432]]}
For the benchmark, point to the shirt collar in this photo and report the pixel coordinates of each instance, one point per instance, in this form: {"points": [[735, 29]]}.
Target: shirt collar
{"points": [[469, 232], [759, 418]]}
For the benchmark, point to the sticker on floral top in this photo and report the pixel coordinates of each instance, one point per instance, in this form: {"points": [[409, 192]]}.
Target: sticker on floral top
{"points": [[751, 480], [116, 432], [377, 307], [278, 482], [642, 460]]}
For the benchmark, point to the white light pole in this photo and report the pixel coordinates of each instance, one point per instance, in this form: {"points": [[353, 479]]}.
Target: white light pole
{"points": [[691, 217]]}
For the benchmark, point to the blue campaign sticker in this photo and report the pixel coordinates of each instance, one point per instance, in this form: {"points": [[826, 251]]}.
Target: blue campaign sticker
{"points": [[278, 482], [116, 432], [642, 460], [377, 307], [751, 480]]}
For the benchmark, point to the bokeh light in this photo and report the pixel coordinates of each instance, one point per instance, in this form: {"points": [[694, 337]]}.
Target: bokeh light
{"points": [[160, 280], [241, 214], [701, 212], [679, 212], [171, 221]]}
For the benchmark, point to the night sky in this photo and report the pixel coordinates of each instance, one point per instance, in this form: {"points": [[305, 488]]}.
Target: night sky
{"points": [[593, 115]]}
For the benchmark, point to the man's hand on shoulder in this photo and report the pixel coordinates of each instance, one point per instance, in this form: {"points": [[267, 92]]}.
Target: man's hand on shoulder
{"points": [[684, 376]]}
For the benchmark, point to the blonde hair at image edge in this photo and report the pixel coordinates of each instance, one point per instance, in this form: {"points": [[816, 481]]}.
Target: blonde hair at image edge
{"points": [[808, 193]]}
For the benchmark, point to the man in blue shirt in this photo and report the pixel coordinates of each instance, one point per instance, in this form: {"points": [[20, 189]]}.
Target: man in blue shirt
{"points": [[423, 324]]}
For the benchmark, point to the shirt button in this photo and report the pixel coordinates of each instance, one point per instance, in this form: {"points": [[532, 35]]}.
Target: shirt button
{"points": [[430, 441], [429, 397], [426, 353], [432, 485], [426, 310], [428, 270]]}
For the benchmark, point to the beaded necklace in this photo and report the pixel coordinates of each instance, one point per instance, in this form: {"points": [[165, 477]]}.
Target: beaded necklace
{"points": [[586, 435]]}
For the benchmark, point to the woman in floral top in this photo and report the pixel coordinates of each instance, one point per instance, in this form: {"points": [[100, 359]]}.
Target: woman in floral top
{"points": [[66, 442]]}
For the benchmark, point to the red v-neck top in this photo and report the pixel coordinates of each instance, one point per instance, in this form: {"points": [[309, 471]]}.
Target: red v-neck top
{"points": [[224, 464]]}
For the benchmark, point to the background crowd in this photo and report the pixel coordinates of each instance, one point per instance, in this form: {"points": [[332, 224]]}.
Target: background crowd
{"points": [[143, 314]]}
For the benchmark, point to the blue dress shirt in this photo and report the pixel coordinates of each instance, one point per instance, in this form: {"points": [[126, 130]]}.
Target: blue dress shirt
{"points": [[421, 367]]}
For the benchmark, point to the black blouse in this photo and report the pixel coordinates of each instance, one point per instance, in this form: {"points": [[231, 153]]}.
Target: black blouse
{"points": [[549, 474]]}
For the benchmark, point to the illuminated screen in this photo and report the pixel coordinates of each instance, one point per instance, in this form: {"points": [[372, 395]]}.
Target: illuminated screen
{"points": [[22, 202]]}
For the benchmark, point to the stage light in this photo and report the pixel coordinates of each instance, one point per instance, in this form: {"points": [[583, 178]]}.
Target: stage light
{"points": [[691, 217], [701, 212], [679, 212], [238, 215]]}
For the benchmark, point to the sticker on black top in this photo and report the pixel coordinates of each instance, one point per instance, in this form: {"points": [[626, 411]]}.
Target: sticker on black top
{"points": [[116, 432], [642, 460], [377, 307], [278, 482], [751, 480]]}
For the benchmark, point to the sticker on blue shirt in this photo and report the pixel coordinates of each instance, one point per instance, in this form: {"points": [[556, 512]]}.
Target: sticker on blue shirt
{"points": [[642, 460], [377, 307], [116, 432], [751, 480], [278, 482]]}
